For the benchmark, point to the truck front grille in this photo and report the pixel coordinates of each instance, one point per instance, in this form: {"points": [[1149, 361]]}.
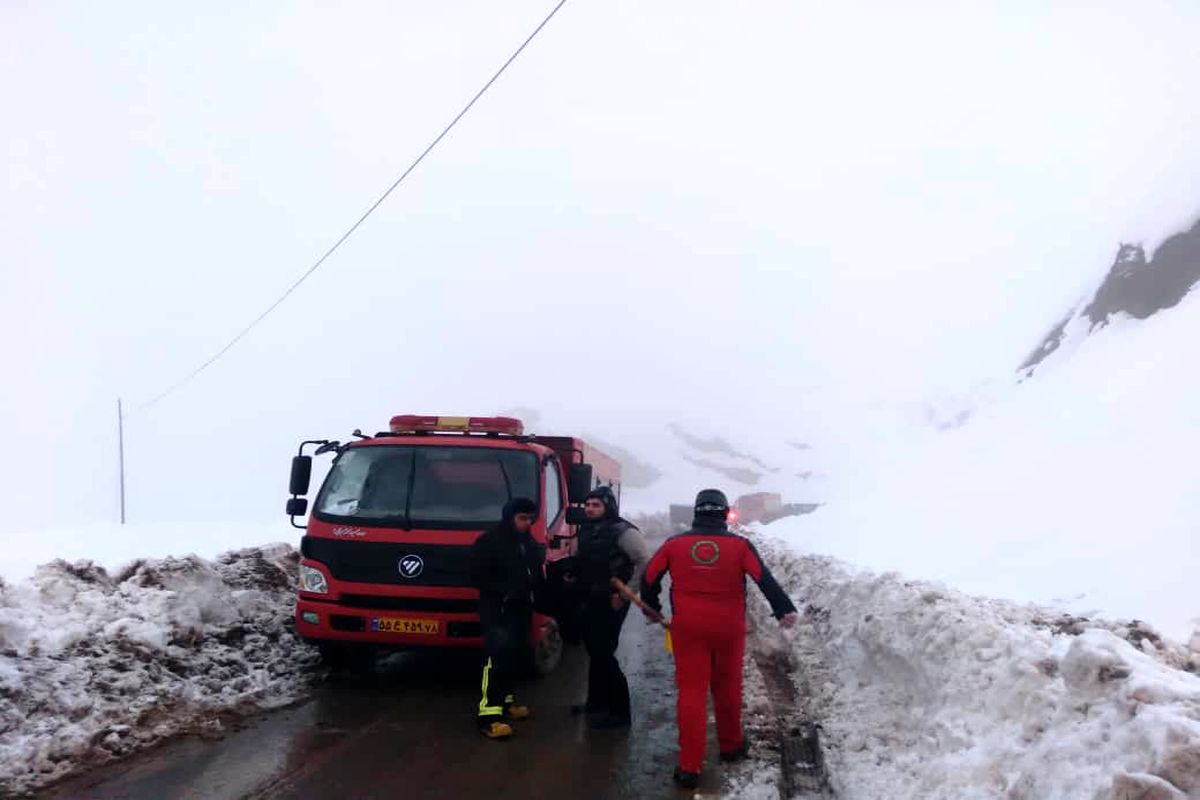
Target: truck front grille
{"points": [[379, 562], [343, 622], [437, 604], [464, 630]]}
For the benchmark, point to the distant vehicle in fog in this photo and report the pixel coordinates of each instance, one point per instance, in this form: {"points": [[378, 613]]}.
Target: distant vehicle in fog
{"points": [[764, 507]]}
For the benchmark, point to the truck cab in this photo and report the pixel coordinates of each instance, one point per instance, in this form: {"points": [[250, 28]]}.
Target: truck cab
{"points": [[386, 550]]}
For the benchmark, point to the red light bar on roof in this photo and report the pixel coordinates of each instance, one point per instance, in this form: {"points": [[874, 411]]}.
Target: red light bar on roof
{"points": [[412, 423]]}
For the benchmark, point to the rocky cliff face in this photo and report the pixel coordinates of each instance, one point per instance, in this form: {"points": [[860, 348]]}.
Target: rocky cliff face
{"points": [[1135, 285]]}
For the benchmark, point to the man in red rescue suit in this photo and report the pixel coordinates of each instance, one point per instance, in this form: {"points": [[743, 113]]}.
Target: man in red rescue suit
{"points": [[708, 566]]}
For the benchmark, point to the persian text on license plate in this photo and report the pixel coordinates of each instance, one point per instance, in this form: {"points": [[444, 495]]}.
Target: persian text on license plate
{"points": [[421, 627]]}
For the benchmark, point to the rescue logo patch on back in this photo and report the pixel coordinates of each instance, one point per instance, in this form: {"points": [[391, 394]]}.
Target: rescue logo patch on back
{"points": [[705, 552]]}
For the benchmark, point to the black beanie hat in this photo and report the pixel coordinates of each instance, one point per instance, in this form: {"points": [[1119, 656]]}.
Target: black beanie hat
{"points": [[519, 505], [605, 495], [712, 503]]}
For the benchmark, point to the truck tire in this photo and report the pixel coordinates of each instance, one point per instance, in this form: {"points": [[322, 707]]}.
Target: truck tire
{"points": [[547, 651], [345, 657]]}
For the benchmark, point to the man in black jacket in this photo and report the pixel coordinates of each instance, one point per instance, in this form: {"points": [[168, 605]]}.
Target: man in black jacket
{"points": [[609, 547], [506, 567]]}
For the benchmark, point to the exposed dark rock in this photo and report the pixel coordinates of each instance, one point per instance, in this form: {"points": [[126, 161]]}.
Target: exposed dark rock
{"points": [[716, 445], [739, 474], [1136, 286]]}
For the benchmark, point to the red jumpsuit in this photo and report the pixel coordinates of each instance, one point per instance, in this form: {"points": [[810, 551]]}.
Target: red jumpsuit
{"points": [[708, 567]]}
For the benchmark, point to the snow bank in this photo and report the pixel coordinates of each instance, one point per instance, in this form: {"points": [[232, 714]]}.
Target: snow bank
{"points": [[928, 693], [94, 666], [112, 546]]}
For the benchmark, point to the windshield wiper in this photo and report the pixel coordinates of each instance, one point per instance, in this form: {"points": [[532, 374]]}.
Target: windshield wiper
{"points": [[504, 472], [412, 480]]}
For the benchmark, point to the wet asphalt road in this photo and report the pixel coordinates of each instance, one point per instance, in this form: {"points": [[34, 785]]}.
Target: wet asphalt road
{"points": [[408, 731]]}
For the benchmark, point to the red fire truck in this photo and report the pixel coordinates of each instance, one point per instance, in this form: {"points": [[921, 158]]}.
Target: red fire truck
{"points": [[385, 553]]}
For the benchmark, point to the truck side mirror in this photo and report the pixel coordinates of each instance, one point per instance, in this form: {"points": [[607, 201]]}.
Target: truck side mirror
{"points": [[301, 475], [576, 515], [579, 482], [297, 507]]}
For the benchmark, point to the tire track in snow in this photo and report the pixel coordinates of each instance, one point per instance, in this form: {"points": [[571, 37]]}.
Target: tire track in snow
{"points": [[783, 716]]}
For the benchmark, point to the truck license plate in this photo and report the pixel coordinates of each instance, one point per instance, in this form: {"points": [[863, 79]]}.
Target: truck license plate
{"points": [[421, 627]]}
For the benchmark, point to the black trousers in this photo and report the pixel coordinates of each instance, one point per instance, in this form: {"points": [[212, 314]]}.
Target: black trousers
{"points": [[608, 691], [505, 640]]}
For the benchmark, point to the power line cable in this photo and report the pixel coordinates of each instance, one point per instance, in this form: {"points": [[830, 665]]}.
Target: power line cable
{"points": [[308, 273]]}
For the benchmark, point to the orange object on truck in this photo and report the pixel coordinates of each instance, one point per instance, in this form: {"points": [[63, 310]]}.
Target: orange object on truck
{"points": [[385, 555]]}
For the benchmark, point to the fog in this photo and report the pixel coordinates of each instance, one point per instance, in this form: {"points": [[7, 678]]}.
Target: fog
{"points": [[781, 218]]}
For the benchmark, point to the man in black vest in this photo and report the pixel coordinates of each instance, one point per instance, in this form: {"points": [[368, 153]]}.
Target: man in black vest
{"points": [[609, 547]]}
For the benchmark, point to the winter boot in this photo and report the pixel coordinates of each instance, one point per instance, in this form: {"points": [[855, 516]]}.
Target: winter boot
{"points": [[516, 712], [496, 730], [686, 780], [740, 754], [609, 722]]}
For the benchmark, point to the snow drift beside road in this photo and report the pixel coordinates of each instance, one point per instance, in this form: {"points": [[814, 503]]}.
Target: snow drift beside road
{"points": [[928, 693], [112, 546], [94, 666]]}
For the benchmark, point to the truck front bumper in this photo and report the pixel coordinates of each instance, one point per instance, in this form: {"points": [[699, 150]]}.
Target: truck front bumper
{"points": [[319, 620]]}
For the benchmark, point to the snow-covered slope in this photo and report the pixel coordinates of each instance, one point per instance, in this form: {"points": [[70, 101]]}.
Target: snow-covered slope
{"points": [[1076, 486], [1073, 487], [94, 666], [924, 692], [699, 457], [667, 459]]}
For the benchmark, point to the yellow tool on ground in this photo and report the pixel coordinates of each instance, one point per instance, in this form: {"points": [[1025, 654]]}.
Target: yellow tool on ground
{"points": [[629, 595]]}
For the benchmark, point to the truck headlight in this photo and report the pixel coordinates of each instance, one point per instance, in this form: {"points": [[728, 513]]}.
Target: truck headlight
{"points": [[313, 580]]}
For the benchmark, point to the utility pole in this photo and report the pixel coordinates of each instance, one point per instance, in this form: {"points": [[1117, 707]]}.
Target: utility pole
{"points": [[121, 454]]}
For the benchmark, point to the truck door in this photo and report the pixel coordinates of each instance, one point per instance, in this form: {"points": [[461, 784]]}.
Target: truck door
{"points": [[561, 601], [557, 545]]}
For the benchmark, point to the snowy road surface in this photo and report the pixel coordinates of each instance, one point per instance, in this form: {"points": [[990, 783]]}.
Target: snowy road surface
{"points": [[408, 731]]}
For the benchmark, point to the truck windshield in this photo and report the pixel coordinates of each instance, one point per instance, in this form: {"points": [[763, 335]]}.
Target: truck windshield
{"points": [[426, 486]]}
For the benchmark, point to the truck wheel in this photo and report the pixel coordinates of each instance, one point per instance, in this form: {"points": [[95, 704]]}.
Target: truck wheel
{"points": [[569, 629], [343, 657], [548, 650]]}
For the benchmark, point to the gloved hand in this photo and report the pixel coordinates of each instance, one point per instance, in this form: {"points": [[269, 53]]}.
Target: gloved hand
{"points": [[789, 620]]}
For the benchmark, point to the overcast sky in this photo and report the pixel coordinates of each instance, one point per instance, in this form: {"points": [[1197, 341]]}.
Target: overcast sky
{"points": [[691, 210]]}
